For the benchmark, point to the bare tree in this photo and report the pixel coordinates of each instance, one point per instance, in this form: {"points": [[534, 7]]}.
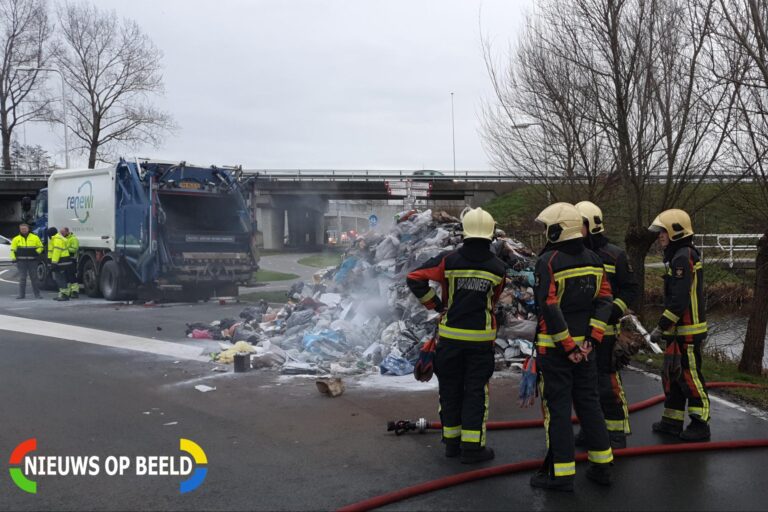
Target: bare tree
{"points": [[649, 104], [24, 35], [744, 38], [113, 69], [540, 127]]}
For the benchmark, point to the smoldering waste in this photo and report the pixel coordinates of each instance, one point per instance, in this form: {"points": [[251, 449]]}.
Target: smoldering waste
{"points": [[360, 316]]}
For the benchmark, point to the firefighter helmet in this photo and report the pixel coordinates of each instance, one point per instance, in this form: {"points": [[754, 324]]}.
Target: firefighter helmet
{"points": [[478, 223], [592, 215], [562, 221], [676, 222]]}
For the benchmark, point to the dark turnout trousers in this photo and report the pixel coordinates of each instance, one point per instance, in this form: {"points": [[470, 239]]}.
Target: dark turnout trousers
{"points": [[463, 369], [565, 385], [612, 397]]}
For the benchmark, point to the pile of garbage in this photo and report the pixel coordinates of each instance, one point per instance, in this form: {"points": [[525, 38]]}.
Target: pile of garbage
{"points": [[361, 317]]}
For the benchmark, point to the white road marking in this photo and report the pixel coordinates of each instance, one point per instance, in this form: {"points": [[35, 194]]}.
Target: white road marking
{"points": [[5, 280], [99, 337]]}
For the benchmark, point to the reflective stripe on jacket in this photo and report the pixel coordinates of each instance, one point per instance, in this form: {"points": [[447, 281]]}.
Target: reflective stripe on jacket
{"points": [[684, 306], [471, 280], [26, 247], [573, 295]]}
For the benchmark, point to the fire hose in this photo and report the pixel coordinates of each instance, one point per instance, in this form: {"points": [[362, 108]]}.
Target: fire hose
{"points": [[507, 469]]}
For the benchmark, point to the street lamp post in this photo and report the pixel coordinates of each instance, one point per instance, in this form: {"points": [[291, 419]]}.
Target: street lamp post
{"points": [[63, 106], [453, 137]]}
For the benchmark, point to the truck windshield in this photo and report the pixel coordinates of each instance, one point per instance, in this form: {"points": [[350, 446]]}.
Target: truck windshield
{"points": [[214, 213]]}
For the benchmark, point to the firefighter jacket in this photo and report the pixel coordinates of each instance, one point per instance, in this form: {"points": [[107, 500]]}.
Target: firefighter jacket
{"points": [[471, 280], [573, 295], [57, 249], [683, 315], [624, 285], [73, 244], [24, 248]]}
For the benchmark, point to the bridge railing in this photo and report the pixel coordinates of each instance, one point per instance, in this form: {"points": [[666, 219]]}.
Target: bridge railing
{"points": [[731, 244], [373, 175], [17, 175]]}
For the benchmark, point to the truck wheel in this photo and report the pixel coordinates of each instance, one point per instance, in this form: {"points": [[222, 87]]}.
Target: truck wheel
{"points": [[110, 280], [90, 278], [44, 277]]}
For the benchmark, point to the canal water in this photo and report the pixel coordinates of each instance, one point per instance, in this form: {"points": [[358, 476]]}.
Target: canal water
{"points": [[727, 330]]}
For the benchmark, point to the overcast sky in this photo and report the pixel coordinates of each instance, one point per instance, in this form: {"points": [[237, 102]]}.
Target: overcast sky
{"points": [[323, 84]]}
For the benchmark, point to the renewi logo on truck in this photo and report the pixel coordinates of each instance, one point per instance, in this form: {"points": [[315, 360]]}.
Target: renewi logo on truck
{"points": [[82, 203]]}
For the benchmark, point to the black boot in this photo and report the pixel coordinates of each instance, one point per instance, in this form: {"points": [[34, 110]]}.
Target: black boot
{"points": [[600, 473], [618, 440], [471, 456], [668, 427], [452, 450], [542, 480], [697, 431]]}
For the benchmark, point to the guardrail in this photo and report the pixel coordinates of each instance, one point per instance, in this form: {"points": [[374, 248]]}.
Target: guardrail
{"points": [[729, 243], [372, 175]]}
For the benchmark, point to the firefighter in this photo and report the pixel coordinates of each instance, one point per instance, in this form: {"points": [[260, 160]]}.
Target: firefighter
{"points": [[26, 248], [683, 327], [625, 289], [73, 246], [58, 254], [574, 301], [471, 279]]}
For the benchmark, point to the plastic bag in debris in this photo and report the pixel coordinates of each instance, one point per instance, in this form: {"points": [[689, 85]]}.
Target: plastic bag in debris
{"points": [[395, 365], [342, 275], [518, 328], [201, 334], [267, 355], [228, 356], [300, 318], [387, 248], [326, 343]]}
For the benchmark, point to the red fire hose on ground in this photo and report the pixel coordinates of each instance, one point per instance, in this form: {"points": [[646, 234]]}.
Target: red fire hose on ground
{"points": [[507, 469]]}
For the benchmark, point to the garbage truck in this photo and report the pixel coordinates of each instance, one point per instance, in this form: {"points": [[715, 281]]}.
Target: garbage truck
{"points": [[152, 229]]}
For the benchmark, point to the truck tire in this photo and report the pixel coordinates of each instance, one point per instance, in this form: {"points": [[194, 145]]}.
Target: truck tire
{"points": [[90, 278], [44, 277], [110, 280]]}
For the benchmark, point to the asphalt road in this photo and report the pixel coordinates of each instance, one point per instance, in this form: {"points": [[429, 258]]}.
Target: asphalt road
{"points": [[274, 443]]}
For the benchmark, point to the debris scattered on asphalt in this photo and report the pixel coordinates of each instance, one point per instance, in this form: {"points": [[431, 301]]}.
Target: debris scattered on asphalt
{"points": [[332, 387], [360, 318], [204, 389]]}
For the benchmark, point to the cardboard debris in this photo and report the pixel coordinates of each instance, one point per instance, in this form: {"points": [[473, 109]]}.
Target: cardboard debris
{"points": [[360, 317]]}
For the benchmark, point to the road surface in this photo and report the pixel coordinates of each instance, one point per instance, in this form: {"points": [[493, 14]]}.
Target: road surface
{"points": [[274, 443]]}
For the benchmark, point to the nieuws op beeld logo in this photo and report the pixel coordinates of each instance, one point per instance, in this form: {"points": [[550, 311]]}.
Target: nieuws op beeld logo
{"points": [[26, 466]]}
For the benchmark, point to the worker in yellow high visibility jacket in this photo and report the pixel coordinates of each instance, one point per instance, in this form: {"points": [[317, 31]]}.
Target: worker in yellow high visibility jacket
{"points": [[73, 246], [26, 248], [58, 254]]}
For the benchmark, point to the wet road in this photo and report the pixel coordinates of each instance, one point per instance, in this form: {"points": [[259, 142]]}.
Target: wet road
{"points": [[274, 443]]}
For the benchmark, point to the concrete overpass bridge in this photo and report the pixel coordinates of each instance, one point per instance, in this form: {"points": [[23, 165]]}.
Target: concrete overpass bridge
{"points": [[296, 201]]}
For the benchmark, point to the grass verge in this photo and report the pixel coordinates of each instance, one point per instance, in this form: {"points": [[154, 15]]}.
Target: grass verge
{"points": [[266, 276], [278, 296], [722, 370], [326, 259]]}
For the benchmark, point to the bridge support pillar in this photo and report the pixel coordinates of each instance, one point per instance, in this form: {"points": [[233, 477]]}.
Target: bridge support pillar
{"points": [[271, 223], [305, 227]]}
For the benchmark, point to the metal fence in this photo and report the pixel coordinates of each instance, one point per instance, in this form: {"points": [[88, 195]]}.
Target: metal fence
{"points": [[730, 245]]}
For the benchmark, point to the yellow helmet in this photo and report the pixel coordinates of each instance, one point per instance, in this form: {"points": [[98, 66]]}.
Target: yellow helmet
{"points": [[562, 220], [478, 223], [592, 215], [676, 222]]}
